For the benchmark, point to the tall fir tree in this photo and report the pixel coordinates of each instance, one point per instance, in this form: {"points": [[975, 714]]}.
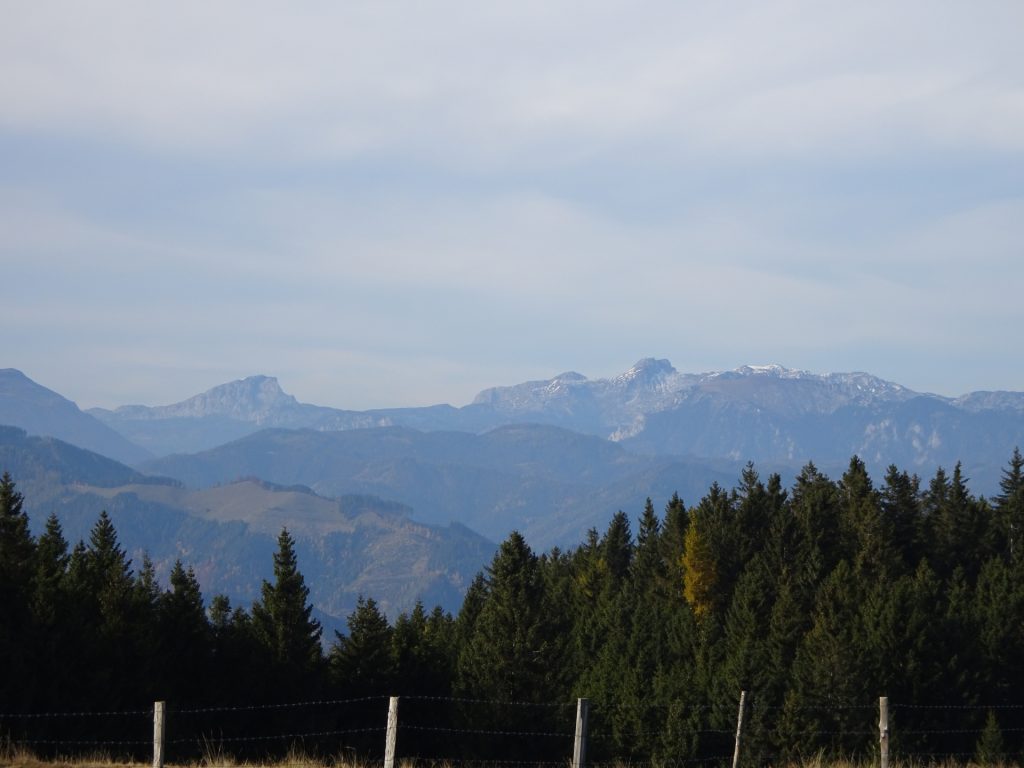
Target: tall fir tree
{"points": [[866, 533], [283, 623], [55, 638], [901, 506], [508, 654], [673, 543], [512, 652], [707, 561], [17, 576], [363, 662], [186, 638], [1010, 507], [104, 587]]}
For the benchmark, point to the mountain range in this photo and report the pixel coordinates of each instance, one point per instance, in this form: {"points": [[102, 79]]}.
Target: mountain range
{"points": [[41, 411], [349, 545], [767, 414], [551, 458]]}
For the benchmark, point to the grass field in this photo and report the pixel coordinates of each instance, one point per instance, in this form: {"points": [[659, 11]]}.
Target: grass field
{"points": [[15, 758]]}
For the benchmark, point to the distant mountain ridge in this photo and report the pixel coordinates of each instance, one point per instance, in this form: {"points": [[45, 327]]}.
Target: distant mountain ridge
{"points": [[653, 386], [549, 483], [238, 408], [259, 399], [41, 411], [764, 413], [608, 408], [348, 546], [769, 414]]}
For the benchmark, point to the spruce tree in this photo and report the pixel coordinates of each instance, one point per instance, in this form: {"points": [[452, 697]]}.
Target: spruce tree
{"points": [[186, 637], [363, 662], [866, 533], [617, 547], [512, 653], [999, 613], [108, 573], [990, 750], [815, 509], [901, 507], [1010, 506], [283, 624], [509, 652], [706, 561], [422, 652], [746, 656], [17, 547], [17, 574], [100, 576], [673, 543], [829, 674], [750, 521], [55, 636], [633, 658]]}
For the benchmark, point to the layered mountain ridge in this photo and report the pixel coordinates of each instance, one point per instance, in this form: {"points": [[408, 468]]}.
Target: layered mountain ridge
{"points": [[551, 458], [763, 413], [349, 544], [41, 411]]}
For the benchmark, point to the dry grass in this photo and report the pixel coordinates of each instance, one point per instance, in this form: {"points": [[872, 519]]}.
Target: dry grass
{"points": [[22, 758], [215, 757]]}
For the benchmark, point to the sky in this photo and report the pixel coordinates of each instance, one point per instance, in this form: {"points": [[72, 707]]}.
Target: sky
{"points": [[402, 203]]}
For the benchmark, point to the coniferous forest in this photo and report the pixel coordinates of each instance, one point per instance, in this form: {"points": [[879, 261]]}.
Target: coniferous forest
{"points": [[816, 599]]}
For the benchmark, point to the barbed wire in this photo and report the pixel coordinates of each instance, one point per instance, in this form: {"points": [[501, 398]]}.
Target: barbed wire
{"points": [[492, 702], [290, 705], [41, 715], [78, 743], [893, 706], [651, 707], [483, 732], [476, 762], [962, 755], [272, 737], [934, 731], [681, 711], [813, 707], [645, 734]]}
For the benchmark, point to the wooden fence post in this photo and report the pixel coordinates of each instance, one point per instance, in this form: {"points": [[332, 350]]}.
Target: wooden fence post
{"points": [[739, 729], [392, 737], [883, 730], [158, 734], [579, 751]]}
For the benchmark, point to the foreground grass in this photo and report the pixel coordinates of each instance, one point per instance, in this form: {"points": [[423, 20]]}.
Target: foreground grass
{"points": [[15, 758]]}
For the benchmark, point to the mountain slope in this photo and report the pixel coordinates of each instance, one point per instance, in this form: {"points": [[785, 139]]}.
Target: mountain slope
{"points": [[547, 482], [347, 546], [764, 413], [238, 408], [41, 411]]}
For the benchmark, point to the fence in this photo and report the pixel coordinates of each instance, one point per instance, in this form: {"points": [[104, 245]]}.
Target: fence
{"points": [[431, 730]]}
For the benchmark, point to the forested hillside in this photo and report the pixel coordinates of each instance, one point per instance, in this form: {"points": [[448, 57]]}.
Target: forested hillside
{"points": [[816, 599]]}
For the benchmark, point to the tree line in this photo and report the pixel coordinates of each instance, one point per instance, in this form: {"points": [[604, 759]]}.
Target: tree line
{"points": [[816, 599]]}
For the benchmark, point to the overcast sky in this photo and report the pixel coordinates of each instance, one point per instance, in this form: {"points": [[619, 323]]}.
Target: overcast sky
{"points": [[402, 203]]}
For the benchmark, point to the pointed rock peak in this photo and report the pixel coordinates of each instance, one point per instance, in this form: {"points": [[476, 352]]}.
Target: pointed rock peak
{"points": [[254, 391], [260, 386], [648, 368], [249, 399]]}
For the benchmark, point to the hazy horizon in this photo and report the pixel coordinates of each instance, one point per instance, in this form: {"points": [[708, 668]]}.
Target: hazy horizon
{"points": [[288, 391]]}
